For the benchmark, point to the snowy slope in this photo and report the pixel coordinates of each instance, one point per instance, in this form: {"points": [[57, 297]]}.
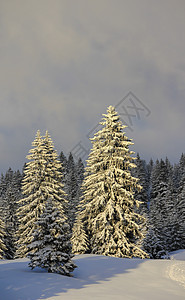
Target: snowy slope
{"points": [[97, 277]]}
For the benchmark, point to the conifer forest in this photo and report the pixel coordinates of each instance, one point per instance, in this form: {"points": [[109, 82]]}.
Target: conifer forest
{"points": [[114, 204]]}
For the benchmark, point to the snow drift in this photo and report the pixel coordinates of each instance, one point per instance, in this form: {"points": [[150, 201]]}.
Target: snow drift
{"points": [[97, 277]]}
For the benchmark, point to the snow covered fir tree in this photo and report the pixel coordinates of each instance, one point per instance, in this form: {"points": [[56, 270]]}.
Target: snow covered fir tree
{"points": [[51, 246], [42, 181], [108, 214]]}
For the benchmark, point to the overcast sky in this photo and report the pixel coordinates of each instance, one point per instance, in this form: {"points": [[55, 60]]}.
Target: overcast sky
{"points": [[63, 62]]}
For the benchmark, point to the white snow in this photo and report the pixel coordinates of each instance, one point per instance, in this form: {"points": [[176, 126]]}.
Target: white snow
{"points": [[97, 277]]}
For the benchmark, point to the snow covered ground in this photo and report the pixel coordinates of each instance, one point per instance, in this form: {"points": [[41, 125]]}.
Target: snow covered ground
{"points": [[97, 277]]}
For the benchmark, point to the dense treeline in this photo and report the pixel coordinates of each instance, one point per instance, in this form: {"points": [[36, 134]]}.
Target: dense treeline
{"points": [[162, 196], [163, 203], [118, 205]]}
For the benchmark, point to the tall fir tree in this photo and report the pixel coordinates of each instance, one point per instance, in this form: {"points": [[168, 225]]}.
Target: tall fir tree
{"points": [[42, 181], [108, 201]]}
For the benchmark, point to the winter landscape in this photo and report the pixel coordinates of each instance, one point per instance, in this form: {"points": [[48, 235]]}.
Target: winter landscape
{"points": [[92, 156]]}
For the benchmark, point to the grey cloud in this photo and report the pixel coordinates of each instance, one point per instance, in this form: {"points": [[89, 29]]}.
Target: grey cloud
{"points": [[63, 63]]}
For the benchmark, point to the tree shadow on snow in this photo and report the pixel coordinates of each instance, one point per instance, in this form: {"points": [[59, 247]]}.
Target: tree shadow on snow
{"points": [[18, 282]]}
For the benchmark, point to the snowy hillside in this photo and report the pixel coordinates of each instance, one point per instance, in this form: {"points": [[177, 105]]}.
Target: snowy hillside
{"points": [[97, 277]]}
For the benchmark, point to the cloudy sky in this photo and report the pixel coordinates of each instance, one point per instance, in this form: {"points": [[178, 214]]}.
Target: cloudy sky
{"points": [[63, 62]]}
